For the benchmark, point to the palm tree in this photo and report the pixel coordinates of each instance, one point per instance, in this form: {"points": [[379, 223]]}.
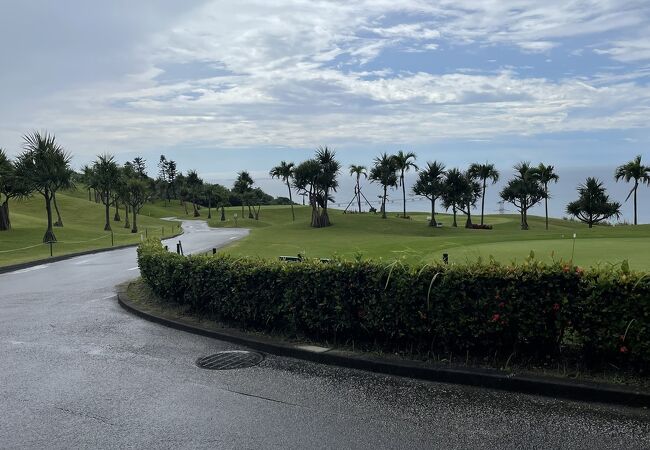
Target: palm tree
{"points": [[106, 175], [545, 174], [430, 184], [64, 180], [358, 171], [524, 191], [484, 172], [10, 187], [403, 163], [243, 184], [138, 195], [285, 172], [460, 193], [40, 167], [384, 172], [593, 205], [633, 170], [194, 187], [316, 178]]}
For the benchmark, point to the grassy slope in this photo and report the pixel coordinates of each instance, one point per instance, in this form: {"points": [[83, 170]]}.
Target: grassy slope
{"points": [[275, 234], [83, 230]]}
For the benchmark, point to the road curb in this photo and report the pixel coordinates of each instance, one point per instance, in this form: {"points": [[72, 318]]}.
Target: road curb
{"points": [[582, 391], [38, 262]]}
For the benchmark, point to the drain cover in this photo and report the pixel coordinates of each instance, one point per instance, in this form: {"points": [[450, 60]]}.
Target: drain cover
{"points": [[230, 359]]}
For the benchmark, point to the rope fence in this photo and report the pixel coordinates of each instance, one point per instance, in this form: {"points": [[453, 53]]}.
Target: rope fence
{"points": [[143, 234]]}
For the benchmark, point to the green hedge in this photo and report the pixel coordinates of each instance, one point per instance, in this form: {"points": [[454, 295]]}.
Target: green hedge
{"points": [[532, 308]]}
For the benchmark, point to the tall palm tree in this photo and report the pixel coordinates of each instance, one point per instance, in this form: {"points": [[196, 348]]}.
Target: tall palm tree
{"points": [[284, 171], [404, 162], [430, 184], [545, 174], [243, 184], [524, 191], [484, 172], [40, 167], [633, 170], [384, 172], [359, 171]]}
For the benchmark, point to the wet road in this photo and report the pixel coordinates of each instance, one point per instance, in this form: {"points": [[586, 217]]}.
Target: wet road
{"points": [[78, 371]]}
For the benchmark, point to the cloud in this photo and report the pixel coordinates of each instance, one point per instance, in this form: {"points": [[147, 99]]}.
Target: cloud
{"points": [[294, 72]]}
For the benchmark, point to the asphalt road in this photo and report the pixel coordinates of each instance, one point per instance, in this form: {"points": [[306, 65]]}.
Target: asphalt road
{"points": [[78, 371]]}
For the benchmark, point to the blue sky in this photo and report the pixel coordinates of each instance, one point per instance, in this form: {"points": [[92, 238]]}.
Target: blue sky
{"points": [[222, 86]]}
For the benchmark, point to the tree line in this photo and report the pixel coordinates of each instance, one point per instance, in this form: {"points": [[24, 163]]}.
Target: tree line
{"points": [[44, 168], [456, 189]]}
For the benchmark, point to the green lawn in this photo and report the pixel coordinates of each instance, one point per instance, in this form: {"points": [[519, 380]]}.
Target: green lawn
{"points": [[83, 227], [367, 234]]}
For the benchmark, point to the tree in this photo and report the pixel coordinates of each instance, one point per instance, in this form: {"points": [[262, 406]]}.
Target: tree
{"points": [[546, 175], [460, 193], [358, 172], [10, 187], [633, 170], [593, 205], [194, 188], [483, 173], [63, 180], [430, 184], [284, 171], [87, 179], [106, 175], [384, 172], [317, 177], [163, 168], [171, 179], [404, 162], [243, 184], [139, 165], [138, 195], [40, 167], [524, 191]]}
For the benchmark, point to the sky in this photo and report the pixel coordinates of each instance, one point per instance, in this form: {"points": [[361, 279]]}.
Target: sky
{"points": [[223, 86]]}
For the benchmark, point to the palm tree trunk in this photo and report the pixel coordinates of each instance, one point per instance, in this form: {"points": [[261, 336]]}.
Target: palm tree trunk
{"points": [[546, 204], [196, 210], [453, 208], [358, 194], [383, 204], [116, 217], [5, 222], [636, 184], [107, 205], [59, 221], [403, 194], [468, 222], [432, 222], [293, 214], [223, 214], [127, 224], [135, 221], [49, 234], [483, 202]]}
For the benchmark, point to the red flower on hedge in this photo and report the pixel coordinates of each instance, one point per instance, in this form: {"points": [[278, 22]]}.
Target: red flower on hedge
{"points": [[495, 317], [579, 270], [566, 268], [624, 349], [556, 307], [502, 305]]}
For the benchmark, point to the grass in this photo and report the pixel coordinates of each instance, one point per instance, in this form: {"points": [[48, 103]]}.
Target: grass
{"points": [[83, 227], [369, 236]]}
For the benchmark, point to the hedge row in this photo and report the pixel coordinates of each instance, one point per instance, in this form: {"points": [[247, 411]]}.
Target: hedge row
{"points": [[532, 308]]}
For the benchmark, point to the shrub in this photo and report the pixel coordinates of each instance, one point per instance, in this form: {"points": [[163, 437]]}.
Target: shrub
{"points": [[479, 308]]}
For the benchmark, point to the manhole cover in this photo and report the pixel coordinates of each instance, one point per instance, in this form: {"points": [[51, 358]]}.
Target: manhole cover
{"points": [[230, 359]]}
